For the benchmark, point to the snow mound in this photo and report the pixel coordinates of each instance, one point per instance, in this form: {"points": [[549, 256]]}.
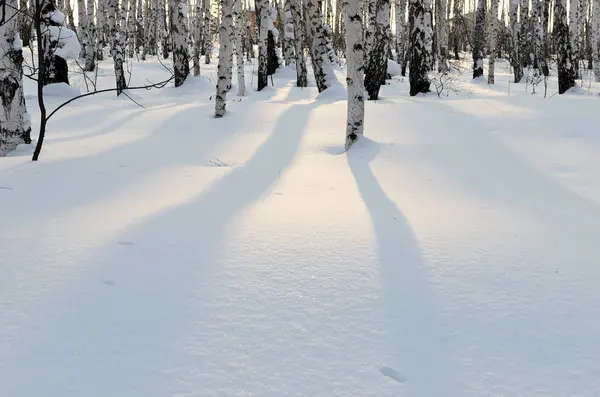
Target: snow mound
{"points": [[394, 68], [61, 90], [336, 92], [191, 86]]}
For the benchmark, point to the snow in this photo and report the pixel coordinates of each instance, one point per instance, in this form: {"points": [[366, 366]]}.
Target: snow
{"points": [[162, 252], [68, 44], [394, 68], [61, 90]]}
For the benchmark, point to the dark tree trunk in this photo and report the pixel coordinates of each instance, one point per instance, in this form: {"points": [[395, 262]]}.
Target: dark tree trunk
{"points": [[479, 40], [420, 47], [565, 63], [376, 66]]}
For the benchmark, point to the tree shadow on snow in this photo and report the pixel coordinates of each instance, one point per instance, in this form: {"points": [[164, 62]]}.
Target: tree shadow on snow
{"points": [[156, 307], [416, 331]]}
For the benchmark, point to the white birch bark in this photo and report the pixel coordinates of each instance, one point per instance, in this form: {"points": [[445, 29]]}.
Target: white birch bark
{"points": [[420, 46], [318, 40], [122, 20], [515, 58], [206, 35], [574, 30], [82, 27], [90, 54], [288, 34], [116, 45], [596, 39], [566, 65], [354, 78], [14, 120], [239, 46], [479, 39], [224, 68], [131, 28], [178, 15], [299, 29], [493, 41], [262, 19], [442, 35], [197, 37]]}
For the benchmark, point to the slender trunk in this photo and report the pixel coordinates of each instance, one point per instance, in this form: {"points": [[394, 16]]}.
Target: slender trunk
{"points": [[288, 33], [224, 67], [116, 45], [574, 32], [90, 53], [493, 41], [262, 11], [299, 29], [178, 18], [515, 58], [318, 41], [565, 63], [197, 37], [596, 39], [206, 36], [376, 65], [420, 46], [131, 29], [15, 123], [239, 46], [442, 35], [140, 39], [478, 40], [354, 78]]}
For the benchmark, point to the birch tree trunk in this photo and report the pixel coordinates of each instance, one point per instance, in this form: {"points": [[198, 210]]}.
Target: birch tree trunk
{"points": [[224, 67], [596, 39], [162, 33], [442, 35], [566, 66], [420, 47], [101, 29], [574, 29], [479, 40], [206, 36], [354, 78], [140, 39], [90, 53], [493, 41], [299, 29], [262, 15], [131, 28], [122, 21], [376, 65], [178, 18], [197, 37], [82, 27], [525, 38], [288, 33], [15, 126], [318, 41], [515, 57], [239, 46], [116, 45]]}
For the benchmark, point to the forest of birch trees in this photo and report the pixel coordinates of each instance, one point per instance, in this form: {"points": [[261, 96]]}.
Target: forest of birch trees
{"points": [[425, 38]]}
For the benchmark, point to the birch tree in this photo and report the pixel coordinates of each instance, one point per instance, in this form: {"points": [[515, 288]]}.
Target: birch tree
{"points": [[376, 65], [206, 35], [478, 39], [140, 39], [288, 34], [318, 43], [262, 15], [515, 56], [90, 54], [178, 10], [197, 37], [574, 31], [354, 78], [400, 21], [442, 35], [493, 40], [239, 46], [299, 29], [420, 46], [224, 67], [131, 28], [566, 66], [15, 126], [596, 39], [116, 47]]}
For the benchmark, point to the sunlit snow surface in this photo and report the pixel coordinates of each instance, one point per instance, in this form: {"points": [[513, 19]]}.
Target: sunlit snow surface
{"points": [[162, 252]]}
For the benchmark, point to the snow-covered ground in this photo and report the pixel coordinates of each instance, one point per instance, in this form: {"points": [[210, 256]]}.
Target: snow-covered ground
{"points": [[161, 252]]}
